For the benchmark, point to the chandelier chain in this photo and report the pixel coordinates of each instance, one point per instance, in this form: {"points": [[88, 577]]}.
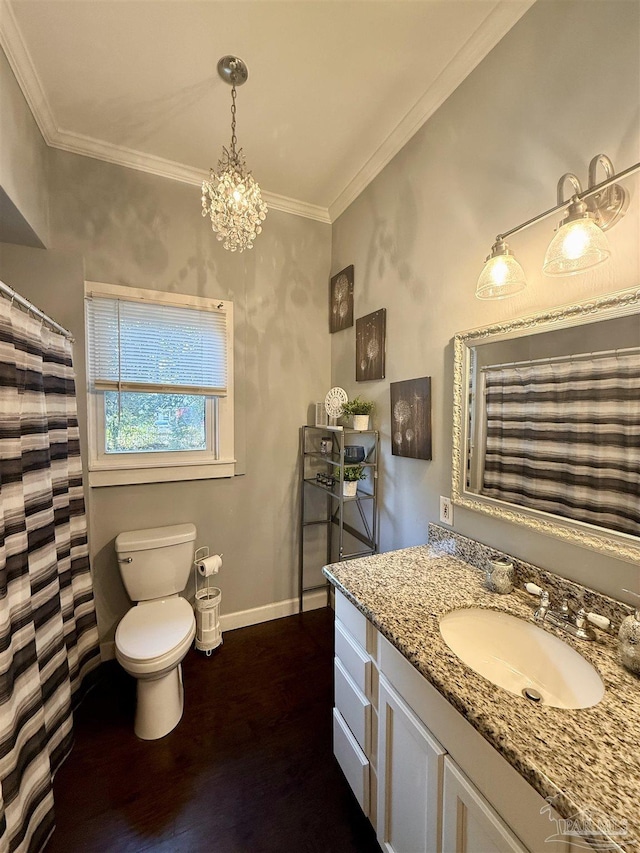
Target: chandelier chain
{"points": [[234, 138]]}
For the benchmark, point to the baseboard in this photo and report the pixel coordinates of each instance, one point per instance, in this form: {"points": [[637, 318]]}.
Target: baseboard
{"points": [[244, 618]]}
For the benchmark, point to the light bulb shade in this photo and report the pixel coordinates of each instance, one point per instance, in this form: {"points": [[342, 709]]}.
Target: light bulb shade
{"points": [[578, 245], [501, 276], [233, 201]]}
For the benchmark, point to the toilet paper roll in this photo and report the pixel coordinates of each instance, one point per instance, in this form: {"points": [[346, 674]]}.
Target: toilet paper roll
{"points": [[209, 565]]}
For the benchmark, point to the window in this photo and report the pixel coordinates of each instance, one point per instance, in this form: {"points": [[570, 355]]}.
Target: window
{"points": [[160, 384]]}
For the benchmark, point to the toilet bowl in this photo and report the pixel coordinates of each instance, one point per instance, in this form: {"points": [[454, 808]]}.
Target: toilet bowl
{"points": [[154, 636], [151, 642]]}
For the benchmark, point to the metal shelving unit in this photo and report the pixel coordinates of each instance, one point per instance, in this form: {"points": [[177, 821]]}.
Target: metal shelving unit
{"points": [[350, 522]]}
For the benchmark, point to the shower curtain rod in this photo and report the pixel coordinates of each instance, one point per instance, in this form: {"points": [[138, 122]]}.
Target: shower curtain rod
{"points": [[564, 358], [11, 294]]}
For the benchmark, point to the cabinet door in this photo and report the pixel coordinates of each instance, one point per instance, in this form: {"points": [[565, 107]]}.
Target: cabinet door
{"points": [[469, 823], [409, 779]]}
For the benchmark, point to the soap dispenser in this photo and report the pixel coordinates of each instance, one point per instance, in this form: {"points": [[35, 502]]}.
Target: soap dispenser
{"points": [[629, 636]]}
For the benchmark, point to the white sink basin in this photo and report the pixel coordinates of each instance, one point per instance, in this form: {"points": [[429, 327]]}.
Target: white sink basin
{"points": [[519, 656]]}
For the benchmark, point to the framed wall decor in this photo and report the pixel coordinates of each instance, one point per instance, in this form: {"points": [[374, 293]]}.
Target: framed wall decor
{"points": [[341, 300], [371, 332], [411, 418]]}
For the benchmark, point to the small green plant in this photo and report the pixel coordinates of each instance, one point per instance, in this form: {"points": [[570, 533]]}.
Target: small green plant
{"points": [[357, 407], [354, 472]]}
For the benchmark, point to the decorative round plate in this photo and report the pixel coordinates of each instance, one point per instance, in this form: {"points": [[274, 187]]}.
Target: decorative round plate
{"points": [[334, 400]]}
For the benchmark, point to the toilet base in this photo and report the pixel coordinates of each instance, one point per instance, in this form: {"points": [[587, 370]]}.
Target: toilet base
{"points": [[159, 704]]}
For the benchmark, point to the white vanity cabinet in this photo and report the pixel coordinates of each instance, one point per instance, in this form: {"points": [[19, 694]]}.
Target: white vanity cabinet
{"points": [[355, 718], [427, 780], [410, 777], [469, 824]]}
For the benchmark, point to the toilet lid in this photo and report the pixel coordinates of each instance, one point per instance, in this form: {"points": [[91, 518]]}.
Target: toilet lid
{"points": [[154, 628]]}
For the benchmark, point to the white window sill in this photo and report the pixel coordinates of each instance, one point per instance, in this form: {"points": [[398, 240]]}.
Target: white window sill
{"points": [[112, 476]]}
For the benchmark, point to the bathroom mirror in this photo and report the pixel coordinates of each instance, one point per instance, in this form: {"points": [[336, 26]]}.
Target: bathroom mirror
{"points": [[546, 423]]}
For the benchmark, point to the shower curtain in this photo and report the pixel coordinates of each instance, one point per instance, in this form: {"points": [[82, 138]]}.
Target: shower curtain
{"points": [[564, 437], [48, 633]]}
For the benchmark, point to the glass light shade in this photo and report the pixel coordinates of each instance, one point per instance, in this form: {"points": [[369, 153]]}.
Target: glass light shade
{"points": [[502, 276], [578, 245]]}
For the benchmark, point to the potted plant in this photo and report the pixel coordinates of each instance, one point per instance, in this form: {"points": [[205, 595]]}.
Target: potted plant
{"points": [[359, 410], [352, 473]]}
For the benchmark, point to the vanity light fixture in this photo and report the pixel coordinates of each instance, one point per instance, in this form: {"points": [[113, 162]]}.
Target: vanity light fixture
{"points": [[580, 242], [502, 275], [231, 197]]}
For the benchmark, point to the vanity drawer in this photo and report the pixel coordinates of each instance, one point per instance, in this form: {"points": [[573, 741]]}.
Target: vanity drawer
{"points": [[354, 707], [351, 618], [354, 659], [352, 760]]}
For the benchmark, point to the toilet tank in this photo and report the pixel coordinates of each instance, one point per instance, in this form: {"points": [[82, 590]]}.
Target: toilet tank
{"points": [[155, 562]]}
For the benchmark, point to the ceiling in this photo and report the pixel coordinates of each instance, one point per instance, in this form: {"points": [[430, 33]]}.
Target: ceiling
{"points": [[335, 89]]}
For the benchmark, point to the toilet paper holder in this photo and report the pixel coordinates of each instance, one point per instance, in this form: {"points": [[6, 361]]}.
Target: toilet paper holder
{"points": [[207, 603], [200, 554], [202, 557]]}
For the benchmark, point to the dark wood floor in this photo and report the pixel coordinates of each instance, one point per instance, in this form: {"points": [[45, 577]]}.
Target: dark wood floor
{"points": [[249, 769]]}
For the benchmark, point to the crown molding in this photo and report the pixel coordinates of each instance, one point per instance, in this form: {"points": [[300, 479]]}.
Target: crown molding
{"points": [[119, 155], [24, 70], [25, 73], [296, 207], [496, 25]]}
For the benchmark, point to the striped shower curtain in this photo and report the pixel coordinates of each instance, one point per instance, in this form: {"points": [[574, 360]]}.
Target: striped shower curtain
{"points": [[564, 437], [48, 633]]}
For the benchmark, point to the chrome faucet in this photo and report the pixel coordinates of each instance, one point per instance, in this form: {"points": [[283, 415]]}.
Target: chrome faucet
{"points": [[543, 609], [578, 624]]}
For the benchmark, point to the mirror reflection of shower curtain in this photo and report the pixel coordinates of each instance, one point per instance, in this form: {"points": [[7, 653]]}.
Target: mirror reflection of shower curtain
{"points": [[48, 633], [564, 437]]}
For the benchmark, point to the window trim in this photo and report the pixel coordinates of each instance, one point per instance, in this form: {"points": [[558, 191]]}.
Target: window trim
{"points": [[218, 460]]}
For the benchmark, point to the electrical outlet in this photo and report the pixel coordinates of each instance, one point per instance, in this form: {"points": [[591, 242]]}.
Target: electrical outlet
{"points": [[446, 510]]}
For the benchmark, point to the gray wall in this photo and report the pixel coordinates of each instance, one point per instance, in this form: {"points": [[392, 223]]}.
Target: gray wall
{"points": [[562, 86], [24, 207], [107, 223], [139, 230]]}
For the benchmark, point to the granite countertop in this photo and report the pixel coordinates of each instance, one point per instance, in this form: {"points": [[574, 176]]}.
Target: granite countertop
{"points": [[588, 760]]}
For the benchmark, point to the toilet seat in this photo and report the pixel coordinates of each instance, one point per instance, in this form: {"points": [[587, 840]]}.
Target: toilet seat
{"points": [[155, 635]]}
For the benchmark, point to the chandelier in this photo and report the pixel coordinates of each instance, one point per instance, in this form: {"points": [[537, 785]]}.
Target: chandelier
{"points": [[231, 197]]}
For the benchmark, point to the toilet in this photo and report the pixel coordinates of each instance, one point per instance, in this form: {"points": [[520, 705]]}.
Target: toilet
{"points": [[155, 635]]}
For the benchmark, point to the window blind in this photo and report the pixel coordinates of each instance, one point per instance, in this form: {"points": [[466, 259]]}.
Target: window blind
{"points": [[154, 347]]}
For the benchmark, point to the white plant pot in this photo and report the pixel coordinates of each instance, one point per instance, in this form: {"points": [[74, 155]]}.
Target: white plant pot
{"points": [[349, 488], [360, 421]]}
